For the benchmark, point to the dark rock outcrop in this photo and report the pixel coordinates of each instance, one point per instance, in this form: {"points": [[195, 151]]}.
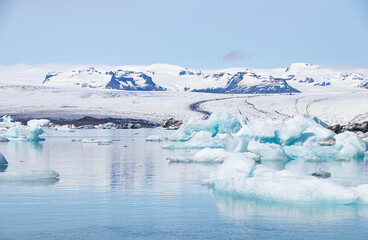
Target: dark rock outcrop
{"points": [[352, 127], [172, 124]]}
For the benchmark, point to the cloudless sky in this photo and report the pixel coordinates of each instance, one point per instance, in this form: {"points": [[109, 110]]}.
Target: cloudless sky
{"points": [[190, 33]]}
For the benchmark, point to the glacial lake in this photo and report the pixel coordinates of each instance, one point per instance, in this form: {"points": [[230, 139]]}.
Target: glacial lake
{"points": [[128, 190]]}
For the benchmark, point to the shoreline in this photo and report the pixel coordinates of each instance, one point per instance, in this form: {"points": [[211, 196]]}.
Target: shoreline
{"points": [[88, 120]]}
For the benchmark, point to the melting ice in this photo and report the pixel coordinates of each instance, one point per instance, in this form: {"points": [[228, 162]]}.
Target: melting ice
{"points": [[237, 143]]}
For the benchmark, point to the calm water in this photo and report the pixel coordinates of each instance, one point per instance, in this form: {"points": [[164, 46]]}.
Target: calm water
{"points": [[128, 190]]}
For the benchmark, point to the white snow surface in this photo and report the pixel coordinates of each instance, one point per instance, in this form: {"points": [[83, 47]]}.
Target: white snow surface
{"points": [[24, 95]]}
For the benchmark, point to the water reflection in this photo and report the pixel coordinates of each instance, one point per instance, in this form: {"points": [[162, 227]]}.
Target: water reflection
{"points": [[31, 183], [3, 168], [242, 208]]}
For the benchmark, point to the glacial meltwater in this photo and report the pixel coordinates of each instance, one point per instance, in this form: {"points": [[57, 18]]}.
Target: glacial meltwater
{"points": [[113, 184]]}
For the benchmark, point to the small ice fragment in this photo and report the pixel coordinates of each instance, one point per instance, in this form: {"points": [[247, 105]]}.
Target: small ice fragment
{"points": [[3, 161], [155, 138]]}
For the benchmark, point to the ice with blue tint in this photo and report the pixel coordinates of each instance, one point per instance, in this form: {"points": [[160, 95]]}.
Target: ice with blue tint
{"points": [[268, 151], [216, 123], [6, 119], [31, 132], [200, 140], [210, 155], [3, 161], [362, 190], [348, 144], [297, 138], [312, 153], [15, 134], [302, 129], [28, 176], [259, 132], [240, 175]]}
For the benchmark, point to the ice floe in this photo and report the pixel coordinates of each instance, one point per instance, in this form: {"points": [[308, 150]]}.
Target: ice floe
{"points": [[3, 161], [241, 176], [31, 132], [30, 175]]}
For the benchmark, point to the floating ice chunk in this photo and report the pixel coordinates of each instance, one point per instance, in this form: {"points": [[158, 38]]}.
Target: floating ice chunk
{"points": [[301, 128], [180, 159], [259, 132], [3, 139], [99, 141], [6, 119], [35, 128], [31, 175], [268, 151], [239, 175], [217, 155], [64, 128], [311, 153], [211, 155], [216, 123], [155, 138], [3, 161], [35, 123], [232, 174], [180, 136], [14, 134], [362, 191], [199, 140], [348, 144], [109, 125]]}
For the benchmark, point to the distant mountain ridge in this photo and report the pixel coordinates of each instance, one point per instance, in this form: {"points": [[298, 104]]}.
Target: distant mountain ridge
{"points": [[236, 81]]}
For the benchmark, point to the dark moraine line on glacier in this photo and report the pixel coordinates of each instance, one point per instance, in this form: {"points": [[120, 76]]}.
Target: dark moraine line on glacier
{"points": [[196, 107]]}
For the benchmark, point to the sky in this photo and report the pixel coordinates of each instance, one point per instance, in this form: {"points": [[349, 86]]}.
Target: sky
{"points": [[191, 33]]}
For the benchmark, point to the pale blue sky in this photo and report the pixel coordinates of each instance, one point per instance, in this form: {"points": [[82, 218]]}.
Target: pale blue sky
{"points": [[192, 33]]}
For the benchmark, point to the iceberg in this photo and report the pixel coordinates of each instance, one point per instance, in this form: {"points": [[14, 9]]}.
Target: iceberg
{"points": [[27, 176], [200, 140], [310, 153], [362, 190], [216, 123], [14, 134], [31, 132], [241, 176], [259, 132], [3, 161], [35, 123], [301, 129], [6, 119], [268, 151], [211, 155], [349, 145]]}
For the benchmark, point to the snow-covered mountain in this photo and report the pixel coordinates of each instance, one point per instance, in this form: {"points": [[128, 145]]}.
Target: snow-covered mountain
{"points": [[297, 77], [314, 75]]}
